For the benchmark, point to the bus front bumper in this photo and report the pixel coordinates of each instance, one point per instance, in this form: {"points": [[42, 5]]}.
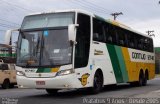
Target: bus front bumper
{"points": [[58, 82]]}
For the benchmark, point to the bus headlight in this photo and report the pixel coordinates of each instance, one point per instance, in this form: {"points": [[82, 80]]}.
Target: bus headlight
{"points": [[20, 73], [65, 72]]}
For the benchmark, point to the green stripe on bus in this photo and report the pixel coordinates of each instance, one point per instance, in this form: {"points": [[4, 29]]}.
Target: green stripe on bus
{"points": [[40, 70], [47, 70], [115, 63], [43, 70], [121, 63]]}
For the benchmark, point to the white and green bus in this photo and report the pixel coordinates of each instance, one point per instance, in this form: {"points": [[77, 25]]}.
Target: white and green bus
{"points": [[77, 49]]}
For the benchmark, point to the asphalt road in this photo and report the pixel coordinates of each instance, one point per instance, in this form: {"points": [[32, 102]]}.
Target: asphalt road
{"points": [[34, 96]]}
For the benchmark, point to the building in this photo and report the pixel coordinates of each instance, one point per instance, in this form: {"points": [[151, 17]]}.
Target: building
{"points": [[7, 53], [157, 59]]}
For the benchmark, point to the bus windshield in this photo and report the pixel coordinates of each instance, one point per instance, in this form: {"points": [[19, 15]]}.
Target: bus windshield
{"points": [[44, 48], [43, 40]]}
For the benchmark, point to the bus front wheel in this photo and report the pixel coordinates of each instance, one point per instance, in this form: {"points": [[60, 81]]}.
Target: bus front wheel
{"points": [[97, 82]]}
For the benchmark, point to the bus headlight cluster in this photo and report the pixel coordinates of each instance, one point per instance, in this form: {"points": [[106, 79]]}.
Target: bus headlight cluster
{"points": [[65, 72], [20, 73]]}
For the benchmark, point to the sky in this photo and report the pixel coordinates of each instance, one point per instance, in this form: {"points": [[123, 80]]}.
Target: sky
{"points": [[140, 15]]}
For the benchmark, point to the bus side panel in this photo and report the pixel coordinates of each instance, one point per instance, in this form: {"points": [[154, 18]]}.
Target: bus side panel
{"points": [[136, 63], [118, 63], [101, 60], [122, 63], [130, 66], [152, 71], [115, 63]]}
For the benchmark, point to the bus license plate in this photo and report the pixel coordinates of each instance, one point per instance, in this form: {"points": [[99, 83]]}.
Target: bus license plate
{"points": [[40, 82]]}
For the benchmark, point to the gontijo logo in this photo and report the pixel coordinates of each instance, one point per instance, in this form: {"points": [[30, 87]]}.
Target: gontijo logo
{"points": [[142, 56], [136, 55], [84, 78]]}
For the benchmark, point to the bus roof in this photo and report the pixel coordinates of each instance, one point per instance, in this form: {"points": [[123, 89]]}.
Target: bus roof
{"points": [[68, 10], [93, 15]]}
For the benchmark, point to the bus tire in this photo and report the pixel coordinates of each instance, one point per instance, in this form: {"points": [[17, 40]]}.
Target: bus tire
{"points": [[52, 91], [6, 84], [97, 82], [145, 79], [141, 79]]}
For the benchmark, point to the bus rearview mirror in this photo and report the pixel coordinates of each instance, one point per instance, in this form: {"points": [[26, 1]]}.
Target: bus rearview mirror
{"points": [[72, 32], [8, 36]]}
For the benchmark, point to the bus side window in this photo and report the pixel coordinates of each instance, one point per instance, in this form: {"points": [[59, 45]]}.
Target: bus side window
{"points": [[145, 44], [114, 35], [139, 44], [130, 38], [110, 34], [95, 36], [109, 39], [98, 31], [121, 37], [150, 45], [141, 41]]}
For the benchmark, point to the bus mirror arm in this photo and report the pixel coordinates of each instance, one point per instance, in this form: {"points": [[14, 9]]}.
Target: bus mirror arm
{"points": [[72, 33], [73, 42]]}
